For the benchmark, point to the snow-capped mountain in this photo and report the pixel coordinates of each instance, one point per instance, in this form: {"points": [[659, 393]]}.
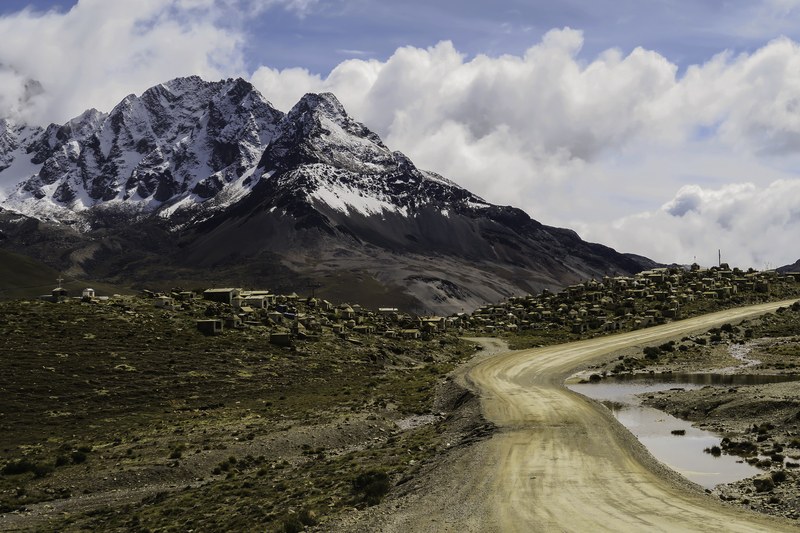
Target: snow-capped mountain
{"points": [[197, 177], [183, 141], [322, 156]]}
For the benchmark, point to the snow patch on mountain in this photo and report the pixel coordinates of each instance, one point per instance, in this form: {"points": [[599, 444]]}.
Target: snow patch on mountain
{"points": [[354, 199], [14, 160]]}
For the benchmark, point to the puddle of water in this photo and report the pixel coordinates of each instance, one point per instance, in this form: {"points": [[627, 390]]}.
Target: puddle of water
{"points": [[683, 453]]}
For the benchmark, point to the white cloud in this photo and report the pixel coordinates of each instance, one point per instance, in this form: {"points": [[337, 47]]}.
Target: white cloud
{"points": [[582, 143], [751, 225], [300, 7], [98, 52]]}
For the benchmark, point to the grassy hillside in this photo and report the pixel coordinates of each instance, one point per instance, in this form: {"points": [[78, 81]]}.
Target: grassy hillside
{"points": [[25, 277], [126, 418]]}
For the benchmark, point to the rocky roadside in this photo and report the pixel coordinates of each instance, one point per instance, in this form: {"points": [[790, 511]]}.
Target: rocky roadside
{"points": [[760, 423], [460, 424]]}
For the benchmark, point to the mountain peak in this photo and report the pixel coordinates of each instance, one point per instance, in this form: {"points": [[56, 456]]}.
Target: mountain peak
{"points": [[84, 124], [318, 130], [321, 103], [179, 86]]}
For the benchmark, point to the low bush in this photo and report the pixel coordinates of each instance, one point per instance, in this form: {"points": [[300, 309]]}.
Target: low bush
{"points": [[778, 476], [652, 352], [177, 451], [371, 486], [21, 466], [78, 457], [292, 524]]}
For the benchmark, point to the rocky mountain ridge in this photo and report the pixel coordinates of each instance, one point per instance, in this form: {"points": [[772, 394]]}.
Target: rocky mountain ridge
{"points": [[794, 267], [198, 177], [182, 141]]}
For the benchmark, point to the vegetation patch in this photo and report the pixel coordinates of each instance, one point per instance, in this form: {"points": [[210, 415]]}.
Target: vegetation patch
{"points": [[249, 434]]}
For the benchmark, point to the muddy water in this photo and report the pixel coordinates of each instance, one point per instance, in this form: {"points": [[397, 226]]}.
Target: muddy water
{"points": [[683, 453]]}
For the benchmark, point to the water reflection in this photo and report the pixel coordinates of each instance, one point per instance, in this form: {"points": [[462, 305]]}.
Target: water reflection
{"points": [[654, 428], [703, 379]]}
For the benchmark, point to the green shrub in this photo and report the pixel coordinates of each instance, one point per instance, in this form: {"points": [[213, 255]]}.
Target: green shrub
{"points": [[307, 517], [652, 352], [177, 451], [41, 470], [21, 466], [778, 476], [78, 457], [292, 524], [372, 486]]}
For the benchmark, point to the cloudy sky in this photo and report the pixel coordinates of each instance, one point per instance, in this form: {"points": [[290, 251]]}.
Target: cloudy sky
{"points": [[669, 128]]}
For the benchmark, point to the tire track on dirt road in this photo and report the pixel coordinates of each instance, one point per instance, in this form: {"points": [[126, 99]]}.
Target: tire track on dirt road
{"points": [[566, 465]]}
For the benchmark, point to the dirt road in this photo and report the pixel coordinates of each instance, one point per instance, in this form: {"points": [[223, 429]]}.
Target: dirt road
{"points": [[561, 462]]}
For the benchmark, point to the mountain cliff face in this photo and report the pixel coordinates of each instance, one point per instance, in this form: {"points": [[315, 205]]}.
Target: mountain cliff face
{"points": [[194, 178], [182, 141]]}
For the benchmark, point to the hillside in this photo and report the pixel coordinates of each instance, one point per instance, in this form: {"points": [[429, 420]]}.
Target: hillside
{"points": [[24, 277], [791, 268]]}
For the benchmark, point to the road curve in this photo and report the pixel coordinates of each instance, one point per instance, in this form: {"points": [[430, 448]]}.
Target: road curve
{"points": [[565, 465], [560, 462]]}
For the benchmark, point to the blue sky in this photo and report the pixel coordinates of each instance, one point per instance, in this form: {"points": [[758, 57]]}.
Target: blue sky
{"points": [[669, 128], [318, 35]]}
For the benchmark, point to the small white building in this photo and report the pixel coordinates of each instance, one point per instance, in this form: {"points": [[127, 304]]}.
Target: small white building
{"points": [[88, 293], [165, 302]]}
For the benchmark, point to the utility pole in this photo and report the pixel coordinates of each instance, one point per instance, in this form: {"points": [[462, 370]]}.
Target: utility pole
{"points": [[314, 286]]}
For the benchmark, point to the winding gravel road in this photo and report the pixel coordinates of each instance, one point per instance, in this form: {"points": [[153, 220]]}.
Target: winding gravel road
{"points": [[561, 462]]}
